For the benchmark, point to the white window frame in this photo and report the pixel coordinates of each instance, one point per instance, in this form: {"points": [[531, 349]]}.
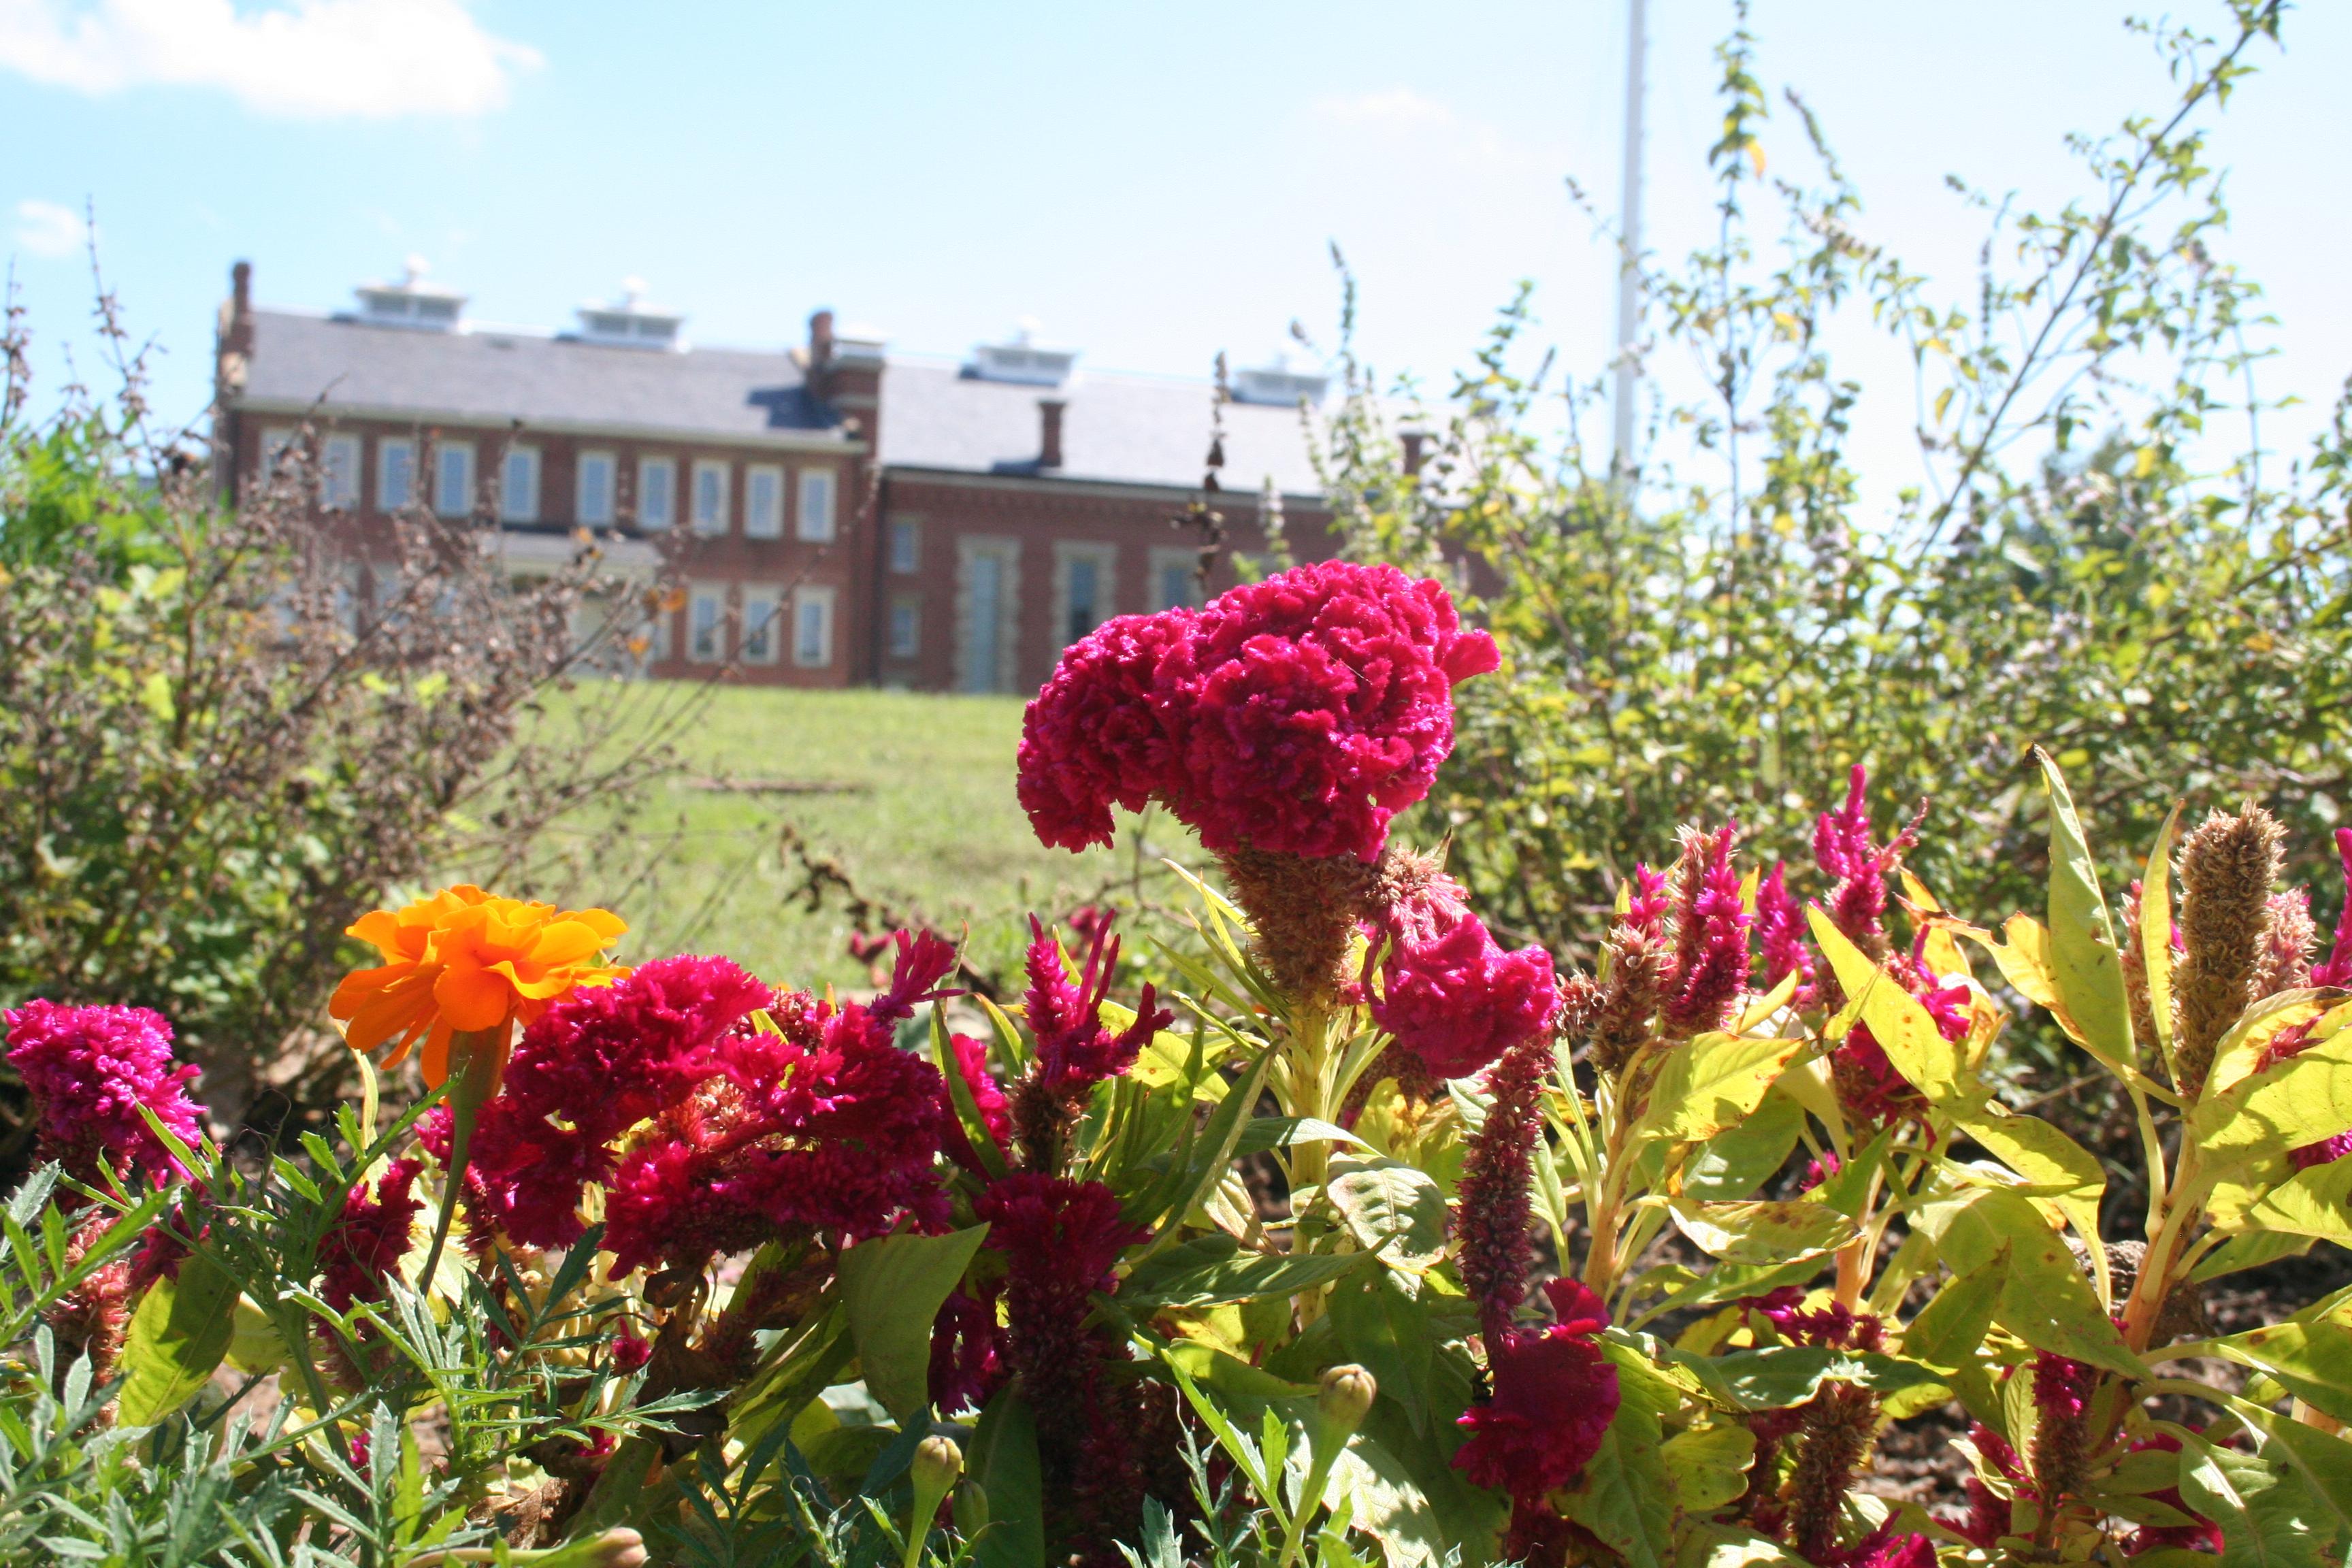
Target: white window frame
{"points": [[910, 646], [715, 525], [340, 459], [907, 531], [764, 520], [388, 449], [763, 620], [519, 503], [649, 519], [813, 626], [1166, 559], [600, 515], [715, 595], [992, 668], [462, 452], [813, 518], [1067, 556]]}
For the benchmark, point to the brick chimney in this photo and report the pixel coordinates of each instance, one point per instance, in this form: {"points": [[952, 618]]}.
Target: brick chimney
{"points": [[1414, 456], [1049, 432]]}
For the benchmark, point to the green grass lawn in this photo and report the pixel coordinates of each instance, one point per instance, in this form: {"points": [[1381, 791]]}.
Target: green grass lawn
{"points": [[911, 795]]}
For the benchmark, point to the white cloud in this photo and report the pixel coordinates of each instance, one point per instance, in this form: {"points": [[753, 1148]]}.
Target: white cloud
{"points": [[312, 59], [47, 229], [1398, 106]]}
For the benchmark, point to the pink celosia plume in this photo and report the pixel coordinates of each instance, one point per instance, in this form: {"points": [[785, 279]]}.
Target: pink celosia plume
{"points": [[91, 1073]]}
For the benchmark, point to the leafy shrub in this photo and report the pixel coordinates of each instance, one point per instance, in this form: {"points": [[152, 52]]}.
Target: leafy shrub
{"points": [[212, 759], [1370, 1240], [2097, 554]]}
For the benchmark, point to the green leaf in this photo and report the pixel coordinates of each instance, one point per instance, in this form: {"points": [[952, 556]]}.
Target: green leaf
{"points": [[1004, 1460], [2307, 1099], [1387, 1332], [1235, 1278], [2324, 1459], [2310, 1356], [1712, 1084], [1732, 1546], [178, 1338], [1775, 1377], [2249, 1251], [892, 1289], [2268, 1519], [2082, 957], [2045, 1297], [1736, 1162], [2317, 1202], [2060, 1168], [2155, 932], [1708, 1466], [1897, 1021], [1764, 1232], [1625, 1495], [967, 1109], [1949, 1328], [1390, 1207]]}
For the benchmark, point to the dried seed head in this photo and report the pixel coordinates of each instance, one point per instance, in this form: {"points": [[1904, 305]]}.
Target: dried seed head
{"points": [[1638, 961], [1302, 911], [2227, 867]]}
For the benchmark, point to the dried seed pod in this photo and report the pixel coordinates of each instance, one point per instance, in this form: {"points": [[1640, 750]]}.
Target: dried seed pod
{"points": [[2227, 867]]}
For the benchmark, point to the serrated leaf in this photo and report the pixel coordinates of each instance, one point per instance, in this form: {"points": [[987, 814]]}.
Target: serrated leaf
{"points": [[1390, 1207], [179, 1335], [892, 1289]]}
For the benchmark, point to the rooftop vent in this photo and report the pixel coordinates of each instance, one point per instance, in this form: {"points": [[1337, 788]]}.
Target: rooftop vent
{"points": [[1279, 384], [1024, 362], [411, 302], [631, 323]]}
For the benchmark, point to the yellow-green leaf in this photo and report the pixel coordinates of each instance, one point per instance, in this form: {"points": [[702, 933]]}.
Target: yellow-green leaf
{"points": [[2239, 1053], [2156, 932], [2309, 1355], [2060, 1169], [1712, 1084], [2045, 1297], [2317, 1202], [178, 1338], [1763, 1232], [1903, 1029], [892, 1288], [2082, 957], [2306, 1099], [1708, 1466]]}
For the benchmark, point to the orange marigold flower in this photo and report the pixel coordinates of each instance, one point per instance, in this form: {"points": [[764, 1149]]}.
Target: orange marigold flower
{"points": [[464, 960]]}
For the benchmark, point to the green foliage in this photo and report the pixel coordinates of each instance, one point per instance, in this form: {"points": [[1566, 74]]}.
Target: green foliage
{"points": [[1724, 631]]}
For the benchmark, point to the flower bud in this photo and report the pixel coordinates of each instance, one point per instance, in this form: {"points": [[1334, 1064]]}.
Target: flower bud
{"points": [[617, 1548], [1346, 1396], [938, 1464]]}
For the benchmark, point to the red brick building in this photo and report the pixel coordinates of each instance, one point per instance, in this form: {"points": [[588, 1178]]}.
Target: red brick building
{"points": [[840, 515]]}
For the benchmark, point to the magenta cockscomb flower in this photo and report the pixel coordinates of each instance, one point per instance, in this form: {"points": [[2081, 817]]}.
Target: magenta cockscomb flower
{"points": [[92, 1071], [987, 1098], [363, 1248], [1833, 1324], [1711, 964], [1857, 865], [1448, 991], [967, 1352], [1554, 1397], [1076, 1049], [2335, 968], [1295, 716], [1780, 935], [732, 1133], [1647, 903], [1493, 1208]]}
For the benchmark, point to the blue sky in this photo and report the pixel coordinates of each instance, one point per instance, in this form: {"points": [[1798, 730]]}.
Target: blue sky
{"points": [[1152, 183]]}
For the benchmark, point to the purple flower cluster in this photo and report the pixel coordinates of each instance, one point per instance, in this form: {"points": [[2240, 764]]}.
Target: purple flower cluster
{"points": [[1297, 715], [1711, 960], [91, 1072]]}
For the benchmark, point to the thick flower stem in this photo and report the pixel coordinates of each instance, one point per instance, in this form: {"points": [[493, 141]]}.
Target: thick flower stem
{"points": [[1309, 1081], [472, 1071]]}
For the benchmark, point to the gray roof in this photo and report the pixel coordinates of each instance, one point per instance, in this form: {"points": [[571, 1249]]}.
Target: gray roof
{"points": [[494, 377], [1120, 429]]}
